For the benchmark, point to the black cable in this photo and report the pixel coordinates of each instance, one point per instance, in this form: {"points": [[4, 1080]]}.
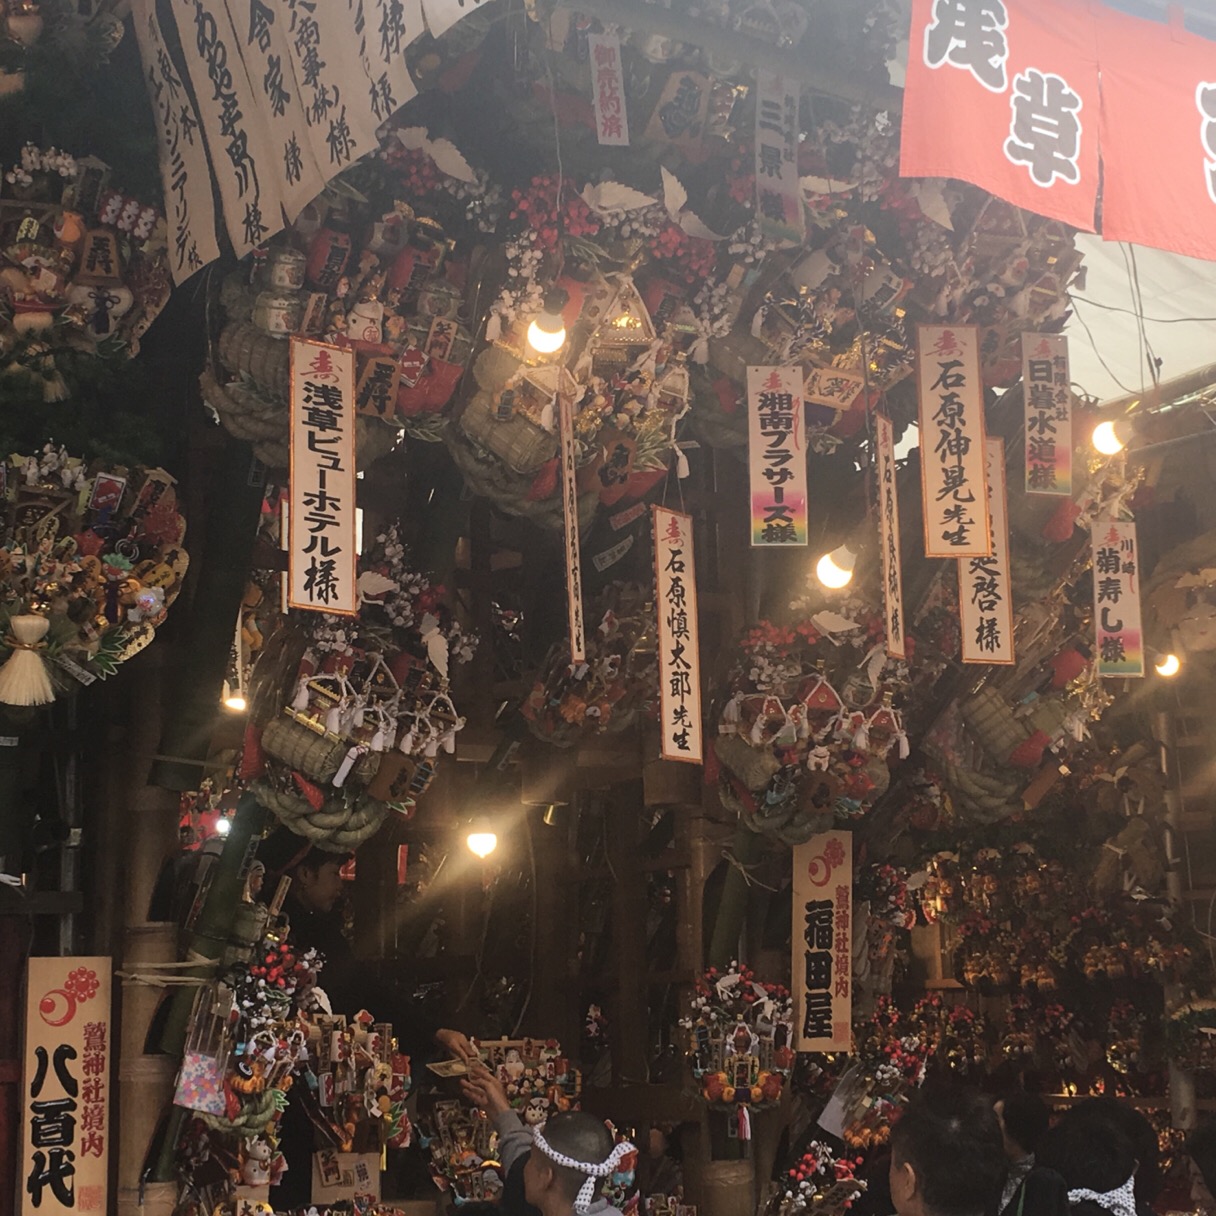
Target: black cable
{"points": [[1097, 352], [1072, 295]]}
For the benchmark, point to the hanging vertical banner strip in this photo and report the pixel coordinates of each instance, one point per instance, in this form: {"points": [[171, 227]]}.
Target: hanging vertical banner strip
{"points": [[261, 28], [321, 561], [822, 964], [888, 526], [333, 85], [778, 186], [1117, 599], [608, 90], [777, 455], [1047, 398], [384, 29], [245, 160], [953, 474], [1004, 94], [985, 592], [65, 1101], [679, 645], [189, 204], [441, 15], [574, 568]]}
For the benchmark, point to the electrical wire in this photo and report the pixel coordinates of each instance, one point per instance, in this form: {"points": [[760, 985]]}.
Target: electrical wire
{"points": [[1154, 364], [1075, 298], [1098, 353]]}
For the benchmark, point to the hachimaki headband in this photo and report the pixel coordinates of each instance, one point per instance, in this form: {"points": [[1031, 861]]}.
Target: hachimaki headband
{"points": [[586, 1194]]}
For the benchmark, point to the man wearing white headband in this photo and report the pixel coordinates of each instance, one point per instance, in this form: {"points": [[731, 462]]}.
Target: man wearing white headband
{"points": [[571, 1160]]}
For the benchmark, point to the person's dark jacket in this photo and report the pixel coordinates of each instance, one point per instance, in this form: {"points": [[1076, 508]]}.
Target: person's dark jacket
{"points": [[1042, 1193]]}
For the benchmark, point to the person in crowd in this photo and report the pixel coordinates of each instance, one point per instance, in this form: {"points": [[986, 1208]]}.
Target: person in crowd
{"points": [[947, 1155], [560, 1169], [316, 923], [1030, 1190], [1097, 1162], [1201, 1154], [658, 1171], [1135, 1127]]}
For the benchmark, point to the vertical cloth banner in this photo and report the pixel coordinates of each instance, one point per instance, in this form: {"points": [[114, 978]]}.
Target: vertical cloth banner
{"points": [[888, 526], [574, 567], [243, 155], [66, 1087], [822, 964], [184, 171], [261, 26], [778, 187], [1004, 94], [384, 29], [679, 645], [321, 560], [953, 472], [608, 90], [1158, 135], [776, 433], [1047, 399], [985, 593], [1117, 599]]}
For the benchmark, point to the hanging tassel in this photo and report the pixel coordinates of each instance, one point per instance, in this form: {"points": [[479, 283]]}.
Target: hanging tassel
{"points": [[406, 744], [352, 758], [682, 469], [377, 744], [449, 741], [902, 740], [333, 721], [300, 701], [24, 679], [358, 716], [745, 1123]]}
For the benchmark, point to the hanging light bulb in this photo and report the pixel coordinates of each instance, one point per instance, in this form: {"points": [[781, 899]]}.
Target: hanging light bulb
{"points": [[1107, 439], [481, 840], [835, 570], [547, 333], [233, 701], [1170, 665], [223, 825]]}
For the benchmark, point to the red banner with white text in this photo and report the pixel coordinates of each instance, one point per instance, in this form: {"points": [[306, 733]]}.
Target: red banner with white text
{"points": [[1158, 135], [1004, 94]]}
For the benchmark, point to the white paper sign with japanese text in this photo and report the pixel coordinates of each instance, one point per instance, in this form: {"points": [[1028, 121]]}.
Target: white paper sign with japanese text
{"points": [[65, 1094], [985, 594], [261, 26], [822, 964], [189, 205], [569, 488], [888, 527], [1117, 599], [1048, 402], [679, 645], [321, 560], [953, 472], [243, 155], [608, 89], [776, 436], [778, 186], [385, 28], [441, 15]]}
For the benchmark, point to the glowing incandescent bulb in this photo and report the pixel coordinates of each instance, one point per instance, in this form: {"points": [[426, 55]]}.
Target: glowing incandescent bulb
{"points": [[547, 333], [835, 570], [1106, 439], [481, 840], [1170, 665]]}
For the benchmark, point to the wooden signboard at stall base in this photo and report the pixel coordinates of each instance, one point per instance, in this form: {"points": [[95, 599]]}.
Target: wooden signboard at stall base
{"points": [[822, 966], [65, 1089]]}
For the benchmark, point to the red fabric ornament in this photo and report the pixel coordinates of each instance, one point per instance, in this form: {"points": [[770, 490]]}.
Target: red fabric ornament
{"points": [[1029, 755], [544, 484], [312, 793], [1065, 667], [1060, 526]]}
